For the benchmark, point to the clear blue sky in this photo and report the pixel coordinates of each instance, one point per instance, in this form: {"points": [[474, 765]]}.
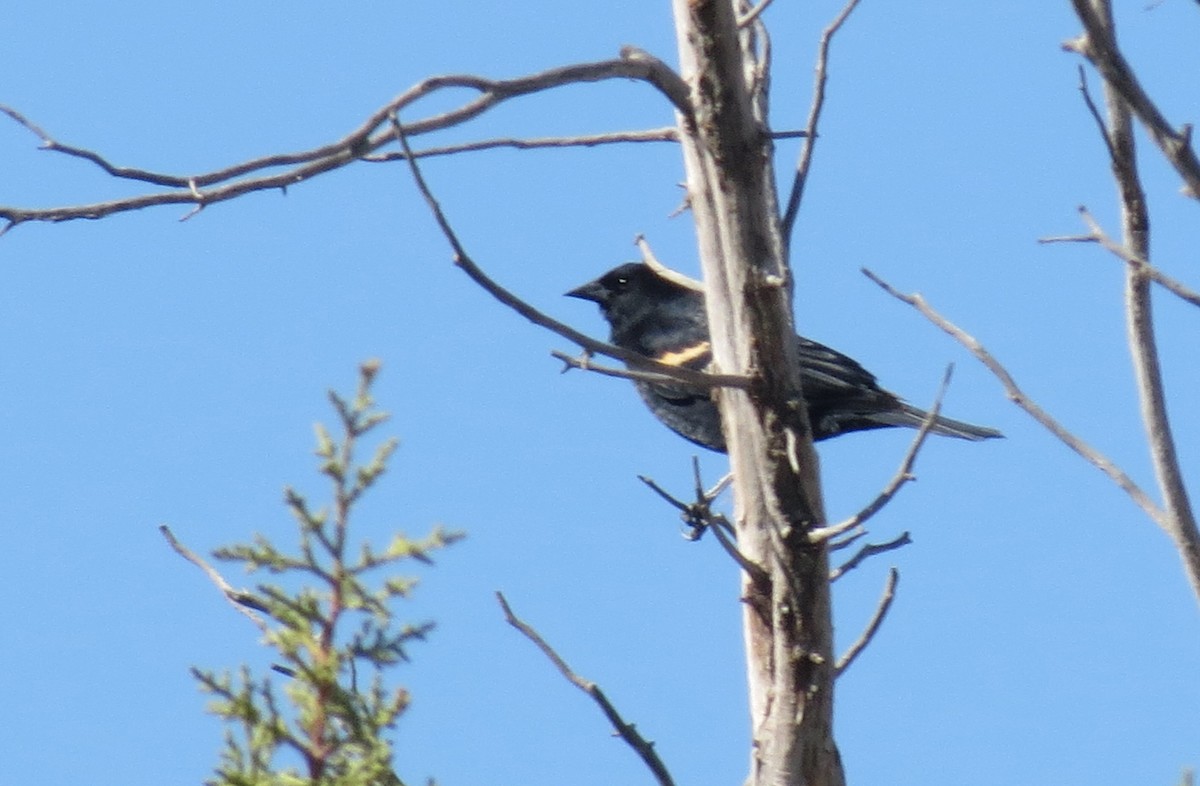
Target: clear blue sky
{"points": [[154, 372]]}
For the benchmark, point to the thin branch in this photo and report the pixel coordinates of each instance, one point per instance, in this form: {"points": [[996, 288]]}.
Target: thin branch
{"points": [[1099, 236], [626, 731], [240, 600], [367, 138], [1015, 394], [869, 550], [1131, 257], [885, 603], [814, 117], [666, 134], [1099, 46], [902, 475], [1094, 111], [1174, 286], [584, 363], [463, 260], [837, 544]]}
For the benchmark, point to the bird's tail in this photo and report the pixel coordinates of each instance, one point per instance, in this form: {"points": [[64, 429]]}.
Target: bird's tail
{"points": [[908, 415]]}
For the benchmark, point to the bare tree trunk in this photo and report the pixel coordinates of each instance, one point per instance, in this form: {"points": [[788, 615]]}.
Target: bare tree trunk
{"points": [[788, 626]]}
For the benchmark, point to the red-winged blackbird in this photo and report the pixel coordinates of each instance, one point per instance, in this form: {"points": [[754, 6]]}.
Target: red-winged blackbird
{"points": [[666, 321]]}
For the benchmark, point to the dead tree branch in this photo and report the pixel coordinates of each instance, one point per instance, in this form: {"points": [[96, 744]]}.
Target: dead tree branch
{"points": [[867, 551], [584, 363], [626, 731], [372, 134], [665, 134]]}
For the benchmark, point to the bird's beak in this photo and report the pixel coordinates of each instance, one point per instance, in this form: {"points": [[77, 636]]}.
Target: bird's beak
{"points": [[593, 291]]}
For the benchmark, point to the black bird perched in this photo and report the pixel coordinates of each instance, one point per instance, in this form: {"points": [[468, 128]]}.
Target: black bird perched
{"points": [[666, 321]]}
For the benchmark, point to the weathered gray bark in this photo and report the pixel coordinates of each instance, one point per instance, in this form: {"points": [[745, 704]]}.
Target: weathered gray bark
{"points": [[731, 188]]}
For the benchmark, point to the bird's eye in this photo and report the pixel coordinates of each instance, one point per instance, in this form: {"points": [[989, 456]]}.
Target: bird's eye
{"points": [[622, 282]]}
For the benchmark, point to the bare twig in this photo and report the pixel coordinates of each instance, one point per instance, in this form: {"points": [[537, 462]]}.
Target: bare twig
{"points": [[1094, 111], [468, 266], [1099, 236], [1131, 257], [626, 731], [885, 603], [374, 133], [1172, 285], [1018, 397], [239, 599], [902, 476], [584, 363], [869, 550], [1099, 46], [846, 541], [814, 117], [666, 134]]}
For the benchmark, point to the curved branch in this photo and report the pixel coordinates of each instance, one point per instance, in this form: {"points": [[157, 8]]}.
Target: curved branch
{"points": [[372, 134]]}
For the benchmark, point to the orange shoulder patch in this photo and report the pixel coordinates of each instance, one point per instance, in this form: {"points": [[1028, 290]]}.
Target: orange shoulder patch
{"points": [[686, 355]]}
